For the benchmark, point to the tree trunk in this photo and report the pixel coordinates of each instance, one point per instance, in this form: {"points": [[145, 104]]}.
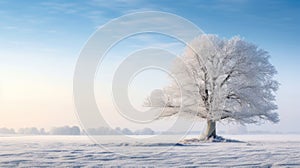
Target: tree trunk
{"points": [[210, 132]]}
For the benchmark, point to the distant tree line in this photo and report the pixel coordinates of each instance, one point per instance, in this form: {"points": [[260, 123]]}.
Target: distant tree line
{"points": [[119, 131], [75, 130]]}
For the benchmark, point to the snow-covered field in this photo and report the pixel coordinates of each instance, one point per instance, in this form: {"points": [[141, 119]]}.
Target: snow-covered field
{"points": [[69, 151]]}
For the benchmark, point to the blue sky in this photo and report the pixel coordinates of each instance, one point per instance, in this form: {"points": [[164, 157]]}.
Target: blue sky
{"points": [[40, 42]]}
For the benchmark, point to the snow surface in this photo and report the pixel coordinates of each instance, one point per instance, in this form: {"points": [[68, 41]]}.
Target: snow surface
{"points": [[69, 151]]}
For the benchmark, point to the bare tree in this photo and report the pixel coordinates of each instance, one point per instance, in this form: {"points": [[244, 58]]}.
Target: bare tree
{"points": [[219, 79]]}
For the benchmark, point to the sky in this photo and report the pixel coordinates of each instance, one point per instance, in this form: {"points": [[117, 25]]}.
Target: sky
{"points": [[40, 42]]}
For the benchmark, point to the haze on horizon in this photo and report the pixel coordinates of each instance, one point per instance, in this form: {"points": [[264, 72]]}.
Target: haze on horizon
{"points": [[40, 43]]}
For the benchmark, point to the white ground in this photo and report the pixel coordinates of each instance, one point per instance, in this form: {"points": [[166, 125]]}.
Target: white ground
{"points": [[69, 151]]}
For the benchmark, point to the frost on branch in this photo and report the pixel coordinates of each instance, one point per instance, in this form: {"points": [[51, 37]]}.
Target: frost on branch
{"points": [[220, 79]]}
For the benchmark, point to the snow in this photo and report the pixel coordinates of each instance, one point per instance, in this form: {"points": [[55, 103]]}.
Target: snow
{"points": [[68, 151], [220, 79]]}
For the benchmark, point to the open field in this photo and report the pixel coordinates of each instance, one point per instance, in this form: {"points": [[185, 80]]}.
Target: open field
{"points": [[68, 151]]}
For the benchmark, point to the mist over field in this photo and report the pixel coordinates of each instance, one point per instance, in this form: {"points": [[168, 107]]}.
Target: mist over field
{"points": [[140, 83]]}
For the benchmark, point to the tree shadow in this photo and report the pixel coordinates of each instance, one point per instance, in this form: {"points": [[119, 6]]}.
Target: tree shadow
{"points": [[213, 139]]}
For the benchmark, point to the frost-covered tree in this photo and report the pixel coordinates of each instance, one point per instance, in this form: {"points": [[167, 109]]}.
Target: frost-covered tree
{"points": [[219, 79]]}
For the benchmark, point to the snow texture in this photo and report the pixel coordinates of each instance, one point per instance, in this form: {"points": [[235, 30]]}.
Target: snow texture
{"points": [[70, 151]]}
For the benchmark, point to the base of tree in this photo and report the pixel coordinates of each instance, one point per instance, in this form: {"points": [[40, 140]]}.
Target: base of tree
{"points": [[212, 139]]}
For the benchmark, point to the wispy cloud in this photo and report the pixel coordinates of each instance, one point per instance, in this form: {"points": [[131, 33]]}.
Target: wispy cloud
{"points": [[221, 5], [63, 7], [100, 11], [126, 6], [10, 27]]}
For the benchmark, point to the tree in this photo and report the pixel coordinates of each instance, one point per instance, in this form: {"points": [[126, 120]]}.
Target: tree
{"points": [[29, 131], [65, 130], [7, 131], [219, 79]]}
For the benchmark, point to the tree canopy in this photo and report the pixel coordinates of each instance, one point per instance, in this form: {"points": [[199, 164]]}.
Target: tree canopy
{"points": [[221, 79]]}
